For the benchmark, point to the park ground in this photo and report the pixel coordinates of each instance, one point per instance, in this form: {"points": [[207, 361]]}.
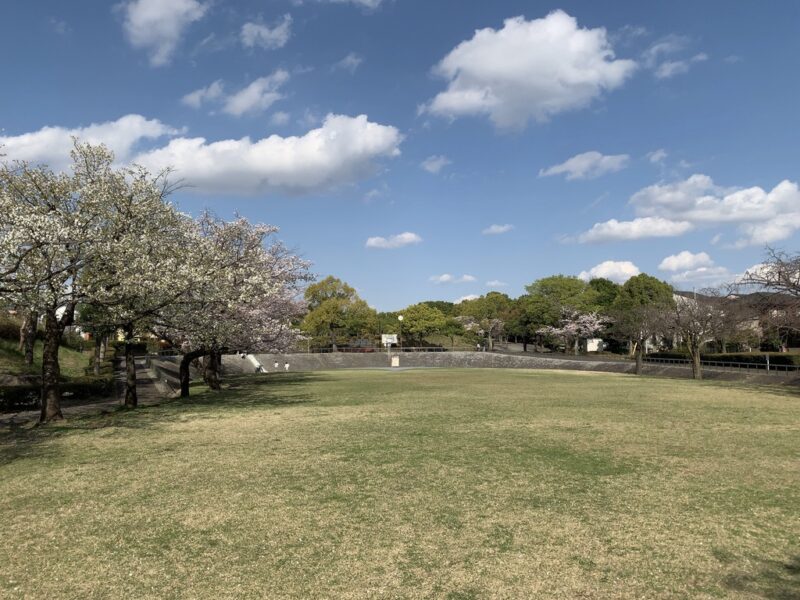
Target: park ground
{"points": [[417, 484]]}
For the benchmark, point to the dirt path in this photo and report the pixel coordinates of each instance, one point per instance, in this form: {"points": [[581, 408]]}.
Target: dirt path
{"points": [[148, 390]]}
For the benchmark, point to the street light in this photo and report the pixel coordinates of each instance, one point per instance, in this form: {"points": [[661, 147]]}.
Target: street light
{"points": [[400, 336]]}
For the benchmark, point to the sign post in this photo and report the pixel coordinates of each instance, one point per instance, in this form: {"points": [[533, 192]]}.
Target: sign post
{"points": [[387, 339]]}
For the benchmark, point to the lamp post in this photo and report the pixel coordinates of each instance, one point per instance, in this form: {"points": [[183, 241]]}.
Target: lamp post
{"points": [[400, 335]]}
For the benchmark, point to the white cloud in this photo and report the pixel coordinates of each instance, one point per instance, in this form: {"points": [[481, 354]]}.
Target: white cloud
{"points": [[255, 97], [52, 145], [394, 241], [763, 216], [349, 63], [703, 277], [211, 92], [617, 271], [269, 38], [448, 278], [496, 283], [467, 298], [685, 261], [342, 150], [588, 165], [657, 156], [647, 227], [528, 70], [158, 26], [280, 118], [258, 96], [655, 57], [497, 229], [671, 68], [434, 164]]}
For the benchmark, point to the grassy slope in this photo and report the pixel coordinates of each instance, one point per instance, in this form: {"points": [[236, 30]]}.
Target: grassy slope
{"points": [[441, 484], [73, 363]]}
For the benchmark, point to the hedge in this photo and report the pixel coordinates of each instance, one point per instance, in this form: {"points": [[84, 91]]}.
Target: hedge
{"points": [[760, 358], [26, 397]]}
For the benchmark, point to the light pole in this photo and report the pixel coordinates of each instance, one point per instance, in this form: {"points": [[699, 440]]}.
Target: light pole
{"points": [[400, 335]]}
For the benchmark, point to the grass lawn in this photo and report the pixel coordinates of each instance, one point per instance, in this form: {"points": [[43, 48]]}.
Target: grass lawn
{"points": [[418, 484], [12, 361]]}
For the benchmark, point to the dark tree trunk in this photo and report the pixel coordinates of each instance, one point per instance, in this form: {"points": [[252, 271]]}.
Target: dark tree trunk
{"points": [[183, 369], [525, 344], [639, 356], [697, 370], [51, 371], [98, 346], [27, 336], [131, 398], [211, 370]]}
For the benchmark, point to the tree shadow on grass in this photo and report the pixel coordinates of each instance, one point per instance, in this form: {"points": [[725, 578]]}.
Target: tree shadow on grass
{"points": [[239, 393], [773, 579]]}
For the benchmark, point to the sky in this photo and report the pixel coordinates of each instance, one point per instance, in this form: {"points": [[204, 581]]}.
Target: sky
{"points": [[438, 149]]}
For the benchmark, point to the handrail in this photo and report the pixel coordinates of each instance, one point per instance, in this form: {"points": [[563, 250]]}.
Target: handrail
{"points": [[725, 364]]}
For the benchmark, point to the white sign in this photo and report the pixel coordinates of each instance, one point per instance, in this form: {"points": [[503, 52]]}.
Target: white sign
{"points": [[395, 361], [389, 339]]}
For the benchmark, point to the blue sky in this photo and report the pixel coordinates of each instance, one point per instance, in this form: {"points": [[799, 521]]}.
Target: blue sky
{"points": [[387, 138]]}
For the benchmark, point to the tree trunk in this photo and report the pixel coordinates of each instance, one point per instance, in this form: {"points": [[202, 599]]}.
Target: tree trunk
{"points": [[103, 348], [131, 397], [98, 346], [697, 370], [51, 371], [211, 370], [183, 369], [27, 336], [525, 344], [577, 346], [639, 356]]}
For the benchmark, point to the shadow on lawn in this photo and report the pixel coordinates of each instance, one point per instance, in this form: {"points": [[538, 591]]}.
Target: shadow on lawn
{"points": [[774, 579], [239, 392]]}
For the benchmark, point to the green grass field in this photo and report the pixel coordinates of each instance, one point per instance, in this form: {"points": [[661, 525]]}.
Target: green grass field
{"points": [[448, 484], [12, 361]]}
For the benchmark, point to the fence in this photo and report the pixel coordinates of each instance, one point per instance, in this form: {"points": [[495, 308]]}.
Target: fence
{"points": [[394, 349], [716, 364]]}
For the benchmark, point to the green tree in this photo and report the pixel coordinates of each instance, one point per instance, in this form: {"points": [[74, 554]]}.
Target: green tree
{"points": [[491, 312], [336, 313], [606, 291], [421, 320], [641, 311]]}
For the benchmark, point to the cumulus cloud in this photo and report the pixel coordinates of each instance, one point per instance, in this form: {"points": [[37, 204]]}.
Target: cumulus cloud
{"points": [[496, 283], [762, 216], [646, 227], [263, 36], [684, 261], [394, 241], [467, 298], [588, 165], [52, 145], [434, 164], [157, 26], [258, 96], [255, 97], [497, 229], [703, 277], [671, 68], [448, 278], [349, 63], [617, 271], [342, 150], [210, 93], [528, 70]]}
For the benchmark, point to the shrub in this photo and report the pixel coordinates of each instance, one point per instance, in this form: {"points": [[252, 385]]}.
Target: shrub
{"points": [[26, 397], [9, 327]]}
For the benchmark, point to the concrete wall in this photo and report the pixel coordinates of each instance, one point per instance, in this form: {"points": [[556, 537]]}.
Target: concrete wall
{"points": [[166, 368]]}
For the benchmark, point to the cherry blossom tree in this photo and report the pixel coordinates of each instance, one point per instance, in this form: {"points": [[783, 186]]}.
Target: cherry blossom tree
{"points": [[575, 326], [249, 300]]}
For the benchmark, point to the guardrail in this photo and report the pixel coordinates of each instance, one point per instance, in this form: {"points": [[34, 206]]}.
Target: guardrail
{"points": [[716, 364], [392, 349]]}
